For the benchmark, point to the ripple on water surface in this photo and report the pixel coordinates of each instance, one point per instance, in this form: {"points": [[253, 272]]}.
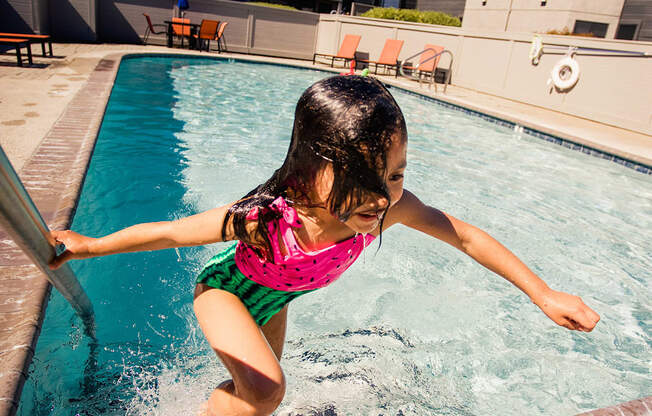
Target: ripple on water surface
{"points": [[414, 328]]}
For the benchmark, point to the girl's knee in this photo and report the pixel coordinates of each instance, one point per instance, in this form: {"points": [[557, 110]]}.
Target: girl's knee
{"points": [[259, 397], [266, 394]]}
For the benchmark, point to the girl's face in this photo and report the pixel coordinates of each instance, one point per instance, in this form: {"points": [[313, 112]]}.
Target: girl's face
{"points": [[367, 216]]}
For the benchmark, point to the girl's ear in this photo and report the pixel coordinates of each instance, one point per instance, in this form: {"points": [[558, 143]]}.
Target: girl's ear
{"points": [[322, 184]]}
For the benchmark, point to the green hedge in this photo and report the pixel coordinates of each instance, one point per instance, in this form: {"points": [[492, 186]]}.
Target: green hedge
{"points": [[278, 6], [410, 15]]}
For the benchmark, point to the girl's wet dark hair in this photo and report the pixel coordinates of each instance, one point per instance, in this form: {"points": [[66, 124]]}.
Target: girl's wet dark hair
{"points": [[345, 121]]}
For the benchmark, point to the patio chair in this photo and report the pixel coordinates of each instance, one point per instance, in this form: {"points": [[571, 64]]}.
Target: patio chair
{"points": [[151, 28], [388, 57], [181, 31], [220, 37], [347, 50], [207, 32], [42, 39], [428, 68]]}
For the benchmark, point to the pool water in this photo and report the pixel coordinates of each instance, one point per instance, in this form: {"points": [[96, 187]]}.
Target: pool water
{"points": [[413, 328]]}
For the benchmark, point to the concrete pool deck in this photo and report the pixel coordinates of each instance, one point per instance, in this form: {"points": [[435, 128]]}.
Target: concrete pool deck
{"points": [[49, 117]]}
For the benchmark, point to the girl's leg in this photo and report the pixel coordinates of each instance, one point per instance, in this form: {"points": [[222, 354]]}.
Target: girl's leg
{"points": [[274, 331], [258, 384]]}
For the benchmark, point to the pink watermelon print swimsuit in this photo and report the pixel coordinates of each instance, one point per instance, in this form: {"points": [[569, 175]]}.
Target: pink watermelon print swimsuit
{"points": [[266, 287]]}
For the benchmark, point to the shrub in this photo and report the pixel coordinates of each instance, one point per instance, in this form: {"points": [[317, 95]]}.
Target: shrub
{"points": [[410, 15], [567, 32], [278, 6]]}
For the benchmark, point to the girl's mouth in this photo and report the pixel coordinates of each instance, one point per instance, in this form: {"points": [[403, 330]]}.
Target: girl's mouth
{"points": [[368, 216]]}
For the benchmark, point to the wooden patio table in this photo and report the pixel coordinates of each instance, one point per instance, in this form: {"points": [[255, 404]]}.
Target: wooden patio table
{"points": [[193, 31]]}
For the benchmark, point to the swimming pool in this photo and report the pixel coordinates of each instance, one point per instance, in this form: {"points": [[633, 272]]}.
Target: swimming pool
{"points": [[437, 334]]}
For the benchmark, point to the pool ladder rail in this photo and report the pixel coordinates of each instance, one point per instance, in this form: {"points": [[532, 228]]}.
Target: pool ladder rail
{"points": [[447, 78], [20, 218]]}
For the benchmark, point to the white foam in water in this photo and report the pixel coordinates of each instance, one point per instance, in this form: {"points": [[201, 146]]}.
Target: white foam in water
{"points": [[179, 389], [419, 328]]}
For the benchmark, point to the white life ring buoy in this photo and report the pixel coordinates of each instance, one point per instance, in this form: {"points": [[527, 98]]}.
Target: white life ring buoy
{"points": [[565, 73], [536, 50]]}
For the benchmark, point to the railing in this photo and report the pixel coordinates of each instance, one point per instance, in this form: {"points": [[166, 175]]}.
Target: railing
{"points": [[562, 50], [21, 219], [447, 79], [538, 49]]}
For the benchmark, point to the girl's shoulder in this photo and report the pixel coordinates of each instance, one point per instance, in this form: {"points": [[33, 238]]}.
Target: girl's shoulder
{"points": [[404, 210]]}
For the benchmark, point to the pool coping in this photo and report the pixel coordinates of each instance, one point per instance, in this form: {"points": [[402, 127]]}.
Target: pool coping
{"points": [[68, 147]]}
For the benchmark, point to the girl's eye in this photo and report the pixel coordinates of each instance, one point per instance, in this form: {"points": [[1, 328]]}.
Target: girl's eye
{"points": [[396, 178]]}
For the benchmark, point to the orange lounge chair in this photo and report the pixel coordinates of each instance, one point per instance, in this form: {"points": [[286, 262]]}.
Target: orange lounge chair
{"points": [[151, 28], [346, 52], [388, 57], [220, 37], [428, 68], [182, 31], [207, 32], [18, 44]]}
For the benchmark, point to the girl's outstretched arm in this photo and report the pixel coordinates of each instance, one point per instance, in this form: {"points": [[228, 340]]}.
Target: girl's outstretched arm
{"points": [[564, 309], [199, 229]]}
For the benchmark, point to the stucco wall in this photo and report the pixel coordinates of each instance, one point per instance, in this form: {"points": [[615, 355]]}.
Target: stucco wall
{"points": [[123, 21], [612, 90], [73, 20], [24, 16], [251, 29], [531, 16], [16, 15]]}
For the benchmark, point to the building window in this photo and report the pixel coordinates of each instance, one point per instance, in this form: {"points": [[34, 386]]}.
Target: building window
{"points": [[599, 30], [626, 31]]}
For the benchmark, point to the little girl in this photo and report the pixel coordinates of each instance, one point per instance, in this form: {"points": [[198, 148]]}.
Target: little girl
{"points": [[340, 186]]}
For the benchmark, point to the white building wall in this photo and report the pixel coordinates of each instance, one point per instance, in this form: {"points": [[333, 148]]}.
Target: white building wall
{"points": [[540, 16]]}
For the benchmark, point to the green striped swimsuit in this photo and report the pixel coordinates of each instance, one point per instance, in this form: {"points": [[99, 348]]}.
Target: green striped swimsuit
{"points": [[262, 302]]}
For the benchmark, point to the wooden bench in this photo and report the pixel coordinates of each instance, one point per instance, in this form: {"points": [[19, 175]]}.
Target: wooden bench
{"points": [[18, 44], [42, 39]]}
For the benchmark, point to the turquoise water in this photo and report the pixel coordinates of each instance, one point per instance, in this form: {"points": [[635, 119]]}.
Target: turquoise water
{"points": [[416, 328]]}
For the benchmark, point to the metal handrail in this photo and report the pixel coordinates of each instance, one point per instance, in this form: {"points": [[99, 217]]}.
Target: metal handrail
{"points": [[580, 50], [22, 220], [432, 77]]}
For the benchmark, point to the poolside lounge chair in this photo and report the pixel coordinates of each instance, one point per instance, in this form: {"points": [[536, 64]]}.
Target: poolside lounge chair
{"points": [[388, 57], [42, 39], [17, 44], [181, 31], [346, 52], [221, 40], [207, 32], [151, 28], [428, 68]]}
